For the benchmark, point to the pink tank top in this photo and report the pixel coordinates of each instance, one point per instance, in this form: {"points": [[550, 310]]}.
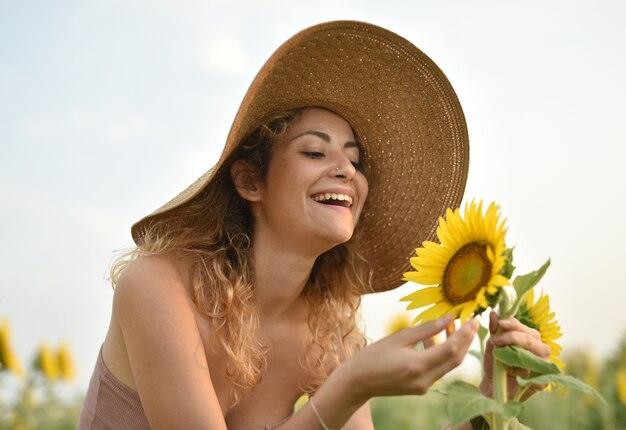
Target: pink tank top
{"points": [[111, 404]]}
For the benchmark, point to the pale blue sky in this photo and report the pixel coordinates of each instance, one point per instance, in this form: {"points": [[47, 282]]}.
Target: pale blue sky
{"points": [[108, 109]]}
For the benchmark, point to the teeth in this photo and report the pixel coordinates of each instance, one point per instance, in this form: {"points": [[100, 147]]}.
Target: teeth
{"points": [[327, 196]]}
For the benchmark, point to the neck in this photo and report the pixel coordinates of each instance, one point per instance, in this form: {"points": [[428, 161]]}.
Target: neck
{"points": [[281, 274]]}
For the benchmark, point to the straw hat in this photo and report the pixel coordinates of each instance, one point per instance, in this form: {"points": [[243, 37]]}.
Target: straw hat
{"points": [[401, 107]]}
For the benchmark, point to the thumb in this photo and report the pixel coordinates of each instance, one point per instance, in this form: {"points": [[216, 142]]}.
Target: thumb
{"points": [[413, 335]]}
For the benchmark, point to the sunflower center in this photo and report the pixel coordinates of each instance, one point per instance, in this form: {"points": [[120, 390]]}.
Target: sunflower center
{"points": [[467, 272]]}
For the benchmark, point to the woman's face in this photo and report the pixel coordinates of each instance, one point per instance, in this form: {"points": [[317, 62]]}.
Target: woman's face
{"points": [[314, 190]]}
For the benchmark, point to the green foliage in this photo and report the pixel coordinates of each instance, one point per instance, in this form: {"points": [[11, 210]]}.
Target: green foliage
{"points": [[518, 357], [508, 269], [38, 406], [566, 381], [465, 401], [409, 412], [522, 284]]}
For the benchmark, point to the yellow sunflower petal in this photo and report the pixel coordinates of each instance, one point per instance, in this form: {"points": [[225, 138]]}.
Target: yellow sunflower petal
{"points": [[434, 312], [467, 311], [423, 297], [421, 278], [499, 280]]}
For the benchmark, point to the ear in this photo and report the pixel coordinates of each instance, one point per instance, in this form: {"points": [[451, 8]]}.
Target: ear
{"points": [[247, 180]]}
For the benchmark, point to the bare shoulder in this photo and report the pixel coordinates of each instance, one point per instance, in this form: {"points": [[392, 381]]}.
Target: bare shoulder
{"points": [[152, 271], [156, 341], [148, 280]]}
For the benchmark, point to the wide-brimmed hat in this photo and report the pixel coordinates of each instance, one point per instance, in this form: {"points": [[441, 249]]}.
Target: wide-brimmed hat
{"points": [[402, 109]]}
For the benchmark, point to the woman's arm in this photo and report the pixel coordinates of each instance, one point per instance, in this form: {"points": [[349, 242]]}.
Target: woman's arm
{"points": [[155, 315]]}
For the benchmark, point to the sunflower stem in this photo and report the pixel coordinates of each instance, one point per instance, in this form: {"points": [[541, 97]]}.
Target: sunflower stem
{"points": [[499, 393]]}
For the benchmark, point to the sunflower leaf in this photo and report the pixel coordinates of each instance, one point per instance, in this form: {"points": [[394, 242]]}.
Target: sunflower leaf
{"points": [[508, 269], [476, 355], [566, 381], [522, 284], [515, 356], [465, 401], [525, 282], [482, 335]]}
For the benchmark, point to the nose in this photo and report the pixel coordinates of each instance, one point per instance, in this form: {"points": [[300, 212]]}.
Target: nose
{"points": [[342, 167]]}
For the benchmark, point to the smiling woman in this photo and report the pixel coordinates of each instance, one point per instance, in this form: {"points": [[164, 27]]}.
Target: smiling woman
{"points": [[243, 292], [312, 164]]}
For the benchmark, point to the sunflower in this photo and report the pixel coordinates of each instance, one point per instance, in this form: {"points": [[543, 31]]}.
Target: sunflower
{"points": [[464, 271], [46, 362], [621, 385], [8, 359], [397, 323], [67, 369], [538, 316]]}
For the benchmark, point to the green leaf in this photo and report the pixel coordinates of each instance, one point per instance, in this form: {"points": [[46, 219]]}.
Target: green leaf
{"points": [[482, 333], [523, 283], [567, 381], [465, 401], [508, 268], [476, 355], [515, 356]]}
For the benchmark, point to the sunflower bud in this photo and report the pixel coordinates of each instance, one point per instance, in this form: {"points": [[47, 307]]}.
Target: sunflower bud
{"points": [[508, 298]]}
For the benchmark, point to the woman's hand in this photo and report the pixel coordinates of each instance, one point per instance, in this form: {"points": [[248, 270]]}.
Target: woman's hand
{"points": [[511, 332], [392, 367]]}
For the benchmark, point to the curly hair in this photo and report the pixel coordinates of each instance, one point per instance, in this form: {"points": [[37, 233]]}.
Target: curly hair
{"points": [[218, 237]]}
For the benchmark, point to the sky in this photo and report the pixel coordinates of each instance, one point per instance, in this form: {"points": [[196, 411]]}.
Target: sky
{"points": [[109, 109]]}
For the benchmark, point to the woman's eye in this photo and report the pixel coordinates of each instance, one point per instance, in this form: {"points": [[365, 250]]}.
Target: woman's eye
{"points": [[314, 155]]}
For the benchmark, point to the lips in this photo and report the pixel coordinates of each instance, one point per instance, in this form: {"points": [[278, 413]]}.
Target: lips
{"points": [[334, 199]]}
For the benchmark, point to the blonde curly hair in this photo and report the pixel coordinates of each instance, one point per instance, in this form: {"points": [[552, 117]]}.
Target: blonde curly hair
{"points": [[218, 238]]}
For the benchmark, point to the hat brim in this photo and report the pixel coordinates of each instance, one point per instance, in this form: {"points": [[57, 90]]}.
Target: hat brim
{"points": [[401, 107]]}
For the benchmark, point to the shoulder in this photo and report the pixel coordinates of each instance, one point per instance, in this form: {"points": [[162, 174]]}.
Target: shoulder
{"points": [[151, 270], [153, 274], [150, 279], [158, 340]]}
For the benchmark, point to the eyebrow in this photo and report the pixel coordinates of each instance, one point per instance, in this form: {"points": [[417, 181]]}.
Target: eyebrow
{"points": [[326, 138]]}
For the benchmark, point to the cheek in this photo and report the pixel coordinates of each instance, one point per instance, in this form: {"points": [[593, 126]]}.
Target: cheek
{"points": [[363, 189]]}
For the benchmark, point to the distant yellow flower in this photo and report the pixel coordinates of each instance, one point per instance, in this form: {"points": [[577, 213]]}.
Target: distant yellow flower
{"points": [[8, 358], [302, 400], [621, 385], [464, 271], [65, 362], [397, 323], [538, 316], [46, 362]]}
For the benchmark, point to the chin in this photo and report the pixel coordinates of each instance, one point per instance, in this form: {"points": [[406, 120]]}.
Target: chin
{"points": [[338, 238]]}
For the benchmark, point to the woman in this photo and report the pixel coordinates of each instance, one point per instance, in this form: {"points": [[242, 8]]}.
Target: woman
{"points": [[244, 290]]}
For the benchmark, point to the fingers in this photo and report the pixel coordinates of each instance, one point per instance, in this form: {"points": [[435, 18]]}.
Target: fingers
{"points": [[511, 324], [515, 333], [412, 335], [432, 363], [493, 322], [526, 341], [428, 342]]}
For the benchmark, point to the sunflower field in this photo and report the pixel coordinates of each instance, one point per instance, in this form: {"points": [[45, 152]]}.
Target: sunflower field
{"points": [[44, 396]]}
